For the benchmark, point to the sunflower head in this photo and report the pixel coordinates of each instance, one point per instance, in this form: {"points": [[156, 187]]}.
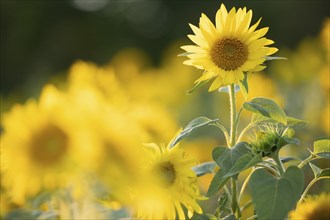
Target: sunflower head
{"points": [[229, 48], [312, 208], [168, 184], [269, 140]]}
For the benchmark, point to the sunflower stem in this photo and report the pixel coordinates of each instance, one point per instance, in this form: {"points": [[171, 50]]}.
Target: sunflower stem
{"points": [[232, 99], [307, 160], [279, 163], [309, 187], [233, 125]]}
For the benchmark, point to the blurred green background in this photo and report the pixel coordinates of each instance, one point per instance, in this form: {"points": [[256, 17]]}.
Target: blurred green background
{"points": [[44, 37]]}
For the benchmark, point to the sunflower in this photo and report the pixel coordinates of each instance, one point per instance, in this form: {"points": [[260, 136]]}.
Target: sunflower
{"points": [[229, 49], [38, 147], [312, 208], [168, 184]]}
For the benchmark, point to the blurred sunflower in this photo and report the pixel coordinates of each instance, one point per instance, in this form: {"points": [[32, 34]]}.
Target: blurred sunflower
{"points": [[168, 184], [155, 121], [87, 76], [108, 134], [229, 49], [312, 208], [38, 147]]}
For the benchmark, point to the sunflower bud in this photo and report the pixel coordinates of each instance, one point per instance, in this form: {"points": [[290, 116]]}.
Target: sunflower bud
{"points": [[270, 139]]}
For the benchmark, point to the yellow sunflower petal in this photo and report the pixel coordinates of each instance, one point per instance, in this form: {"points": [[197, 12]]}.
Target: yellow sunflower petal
{"points": [[269, 42], [257, 44], [230, 24], [199, 41], [206, 76], [193, 49], [253, 27], [179, 210], [196, 30], [258, 68], [271, 50], [257, 34], [221, 17], [217, 83], [261, 52], [244, 25], [207, 25]]}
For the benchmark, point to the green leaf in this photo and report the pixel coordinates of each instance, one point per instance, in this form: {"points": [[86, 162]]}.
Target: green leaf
{"points": [[204, 168], [19, 214], [226, 157], [324, 173], [196, 123], [291, 122], [49, 215], [287, 159], [225, 89], [230, 217], [322, 148], [217, 182], [244, 162], [275, 58], [284, 140], [244, 86], [266, 107], [316, 170], [203, 217], [197, 86], [275, 197], [296, 123], [222, 202]]}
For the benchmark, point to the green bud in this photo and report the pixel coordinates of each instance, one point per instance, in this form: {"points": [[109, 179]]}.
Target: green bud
{"points": [[269, 139]]}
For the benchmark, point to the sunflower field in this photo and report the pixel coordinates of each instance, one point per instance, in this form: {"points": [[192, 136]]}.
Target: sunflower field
{"points": [[154, 109]]}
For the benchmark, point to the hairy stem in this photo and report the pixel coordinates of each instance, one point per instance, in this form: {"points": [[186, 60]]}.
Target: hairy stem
{"points": [[232, 99], [244, 186], [307, 160], [279, 163], [244, 131], [309, 186], [233, 126]]}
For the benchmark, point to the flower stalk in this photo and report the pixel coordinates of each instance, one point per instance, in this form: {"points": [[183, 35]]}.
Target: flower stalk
{"points": [[278, 162], [232, 142], [232, 99]]}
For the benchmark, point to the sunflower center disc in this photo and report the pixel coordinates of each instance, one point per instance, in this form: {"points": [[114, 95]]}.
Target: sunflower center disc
{"points": [[167, 173], [49, 145], [229, 54]]}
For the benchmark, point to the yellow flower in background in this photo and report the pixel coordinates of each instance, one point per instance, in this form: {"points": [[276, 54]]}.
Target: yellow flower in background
{"points": [[103, 81], [155, 121], [145, 83], [92, 87], [325, 35], [109, 135], [304, 64], [39, 148], [312, 208], [167, 184], [229, 49], [201, 148], [80, 209], [325, 118]]}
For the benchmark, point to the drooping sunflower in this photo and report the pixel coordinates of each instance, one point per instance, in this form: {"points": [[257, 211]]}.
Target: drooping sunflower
{"points": [[229, 49], [312, 208], [168, 184]]}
